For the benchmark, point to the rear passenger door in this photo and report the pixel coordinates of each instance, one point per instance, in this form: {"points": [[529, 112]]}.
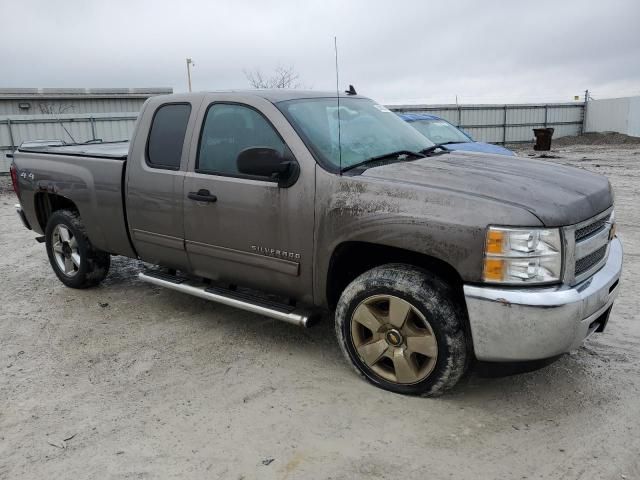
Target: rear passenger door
{"points": [[254, 233], [156, 172]]}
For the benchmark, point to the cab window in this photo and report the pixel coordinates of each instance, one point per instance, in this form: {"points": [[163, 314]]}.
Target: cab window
{"points": [[227, 130], [166, 138]]}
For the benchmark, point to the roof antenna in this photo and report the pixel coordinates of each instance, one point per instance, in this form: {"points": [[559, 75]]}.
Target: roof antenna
{"points": [[351, 91], [335, 46]]}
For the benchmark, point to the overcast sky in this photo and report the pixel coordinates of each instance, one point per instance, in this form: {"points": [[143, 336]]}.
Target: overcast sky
{"points": [[395, 51]]}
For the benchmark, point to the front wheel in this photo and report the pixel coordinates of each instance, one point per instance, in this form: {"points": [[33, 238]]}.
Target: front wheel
{"points": [[401, 329], [75, 261]]}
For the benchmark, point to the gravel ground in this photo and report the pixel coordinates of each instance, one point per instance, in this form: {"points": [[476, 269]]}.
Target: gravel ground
{"points": [[132, 381]]}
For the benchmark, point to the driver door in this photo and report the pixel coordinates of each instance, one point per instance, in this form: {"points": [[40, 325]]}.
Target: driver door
{"points": [[244, 229]]}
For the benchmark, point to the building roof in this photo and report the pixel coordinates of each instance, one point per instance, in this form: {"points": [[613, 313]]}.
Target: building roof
{"points": [[26, 93]]}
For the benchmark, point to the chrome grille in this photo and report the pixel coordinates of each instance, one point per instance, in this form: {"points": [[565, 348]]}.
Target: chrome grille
{"points": [[585, 263], [588, 246], [591, 228]]}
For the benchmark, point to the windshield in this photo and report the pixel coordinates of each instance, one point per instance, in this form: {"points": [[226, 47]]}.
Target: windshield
{"points": [[367, 129], [440, 131]]}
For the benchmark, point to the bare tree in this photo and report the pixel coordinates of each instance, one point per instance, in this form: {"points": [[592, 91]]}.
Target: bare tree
{"points": [[57, 109], [282, 77], [54, 108]]}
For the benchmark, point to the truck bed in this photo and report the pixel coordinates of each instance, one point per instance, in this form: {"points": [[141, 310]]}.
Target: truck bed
{"points": [[115, 150], [90, 175]]}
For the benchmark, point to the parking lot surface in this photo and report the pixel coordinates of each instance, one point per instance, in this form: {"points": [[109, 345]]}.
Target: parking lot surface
{"points": [[129, 380]]}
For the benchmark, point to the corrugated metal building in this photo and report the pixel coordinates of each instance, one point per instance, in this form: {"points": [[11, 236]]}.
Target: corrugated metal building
{"points": [[37, 101], [69, 114]]}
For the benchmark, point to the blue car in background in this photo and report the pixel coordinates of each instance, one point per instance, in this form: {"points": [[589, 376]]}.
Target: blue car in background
{"points": [[441, 132]]}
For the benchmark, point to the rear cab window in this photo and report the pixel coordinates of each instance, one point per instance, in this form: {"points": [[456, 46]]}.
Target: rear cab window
{"points": [[166, 137]]}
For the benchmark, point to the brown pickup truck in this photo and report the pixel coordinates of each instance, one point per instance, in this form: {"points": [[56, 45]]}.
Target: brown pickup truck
{"points": [[290, 203]]}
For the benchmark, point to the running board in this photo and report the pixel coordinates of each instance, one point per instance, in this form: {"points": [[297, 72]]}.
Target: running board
{"points": [[243, 301]]}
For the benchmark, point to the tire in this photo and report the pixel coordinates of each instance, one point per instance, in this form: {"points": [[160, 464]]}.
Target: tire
{"points": [[401, 329], [76, 262]]}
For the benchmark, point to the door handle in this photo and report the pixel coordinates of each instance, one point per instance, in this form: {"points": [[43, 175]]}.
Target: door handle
{"points": [[202, 195]]}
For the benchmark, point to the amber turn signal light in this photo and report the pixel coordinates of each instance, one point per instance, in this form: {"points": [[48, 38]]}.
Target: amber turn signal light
{"points": [[495, 241]]}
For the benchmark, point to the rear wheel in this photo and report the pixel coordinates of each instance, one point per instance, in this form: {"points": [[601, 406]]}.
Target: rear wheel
{"points": [[401, 329], [72, 256]]}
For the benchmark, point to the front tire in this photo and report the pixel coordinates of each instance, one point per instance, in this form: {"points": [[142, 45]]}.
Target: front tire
{"points": [[75, 261], [401, 329]]}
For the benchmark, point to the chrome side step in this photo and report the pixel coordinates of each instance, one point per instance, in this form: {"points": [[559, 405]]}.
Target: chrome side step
{"points": [[286, 313]]}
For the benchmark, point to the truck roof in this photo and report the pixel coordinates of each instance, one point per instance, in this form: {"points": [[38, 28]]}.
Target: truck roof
{"points": [[283, 94], [278, 94]]}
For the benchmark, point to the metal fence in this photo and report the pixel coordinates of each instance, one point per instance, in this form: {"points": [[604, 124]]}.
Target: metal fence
{"points": [[71, 127], [506, 123], [485, 123]]}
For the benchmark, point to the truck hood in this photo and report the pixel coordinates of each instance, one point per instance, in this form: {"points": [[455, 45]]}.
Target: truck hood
{"points": [[558, 195]]}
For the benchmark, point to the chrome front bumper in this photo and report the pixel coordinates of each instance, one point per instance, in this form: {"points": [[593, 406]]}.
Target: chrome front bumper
{"points": [[517, 324]]}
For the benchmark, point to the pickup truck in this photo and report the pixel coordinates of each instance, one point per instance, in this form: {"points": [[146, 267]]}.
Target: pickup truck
{"points": [[292, 204]]}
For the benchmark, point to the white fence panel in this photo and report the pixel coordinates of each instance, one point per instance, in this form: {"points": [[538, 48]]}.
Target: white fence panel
{"points": [[614, 115]]}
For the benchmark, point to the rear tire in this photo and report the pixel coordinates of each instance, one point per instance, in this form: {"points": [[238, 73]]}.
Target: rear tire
{"points": [[75, 261], [401, 329]]}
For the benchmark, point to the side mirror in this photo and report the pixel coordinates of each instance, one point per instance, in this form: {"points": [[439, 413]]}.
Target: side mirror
{"points": [[267, 162]]}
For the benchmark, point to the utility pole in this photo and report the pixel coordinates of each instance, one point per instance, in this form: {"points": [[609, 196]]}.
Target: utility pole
{"points": [[584, 112], [189, 65]]}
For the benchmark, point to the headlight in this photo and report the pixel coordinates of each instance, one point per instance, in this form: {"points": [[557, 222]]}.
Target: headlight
{"points": [[522, 255]]}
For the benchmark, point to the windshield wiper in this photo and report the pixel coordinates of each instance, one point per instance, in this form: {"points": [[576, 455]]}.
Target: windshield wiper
{"points": [[399, 155], [429, 150], [453, 141]]}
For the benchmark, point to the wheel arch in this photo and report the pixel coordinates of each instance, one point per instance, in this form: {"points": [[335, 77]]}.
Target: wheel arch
{"points": [[46, 204], [352, 258]]}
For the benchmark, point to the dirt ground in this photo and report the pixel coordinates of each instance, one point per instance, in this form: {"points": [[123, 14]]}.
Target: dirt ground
{"points": [[128, 380]]}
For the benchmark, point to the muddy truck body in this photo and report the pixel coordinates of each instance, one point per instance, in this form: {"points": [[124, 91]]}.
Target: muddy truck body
{"points": [[291, 204]]}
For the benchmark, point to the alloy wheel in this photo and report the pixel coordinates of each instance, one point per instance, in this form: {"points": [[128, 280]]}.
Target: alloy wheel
{"points": [[394, 339], [65, 250]]}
